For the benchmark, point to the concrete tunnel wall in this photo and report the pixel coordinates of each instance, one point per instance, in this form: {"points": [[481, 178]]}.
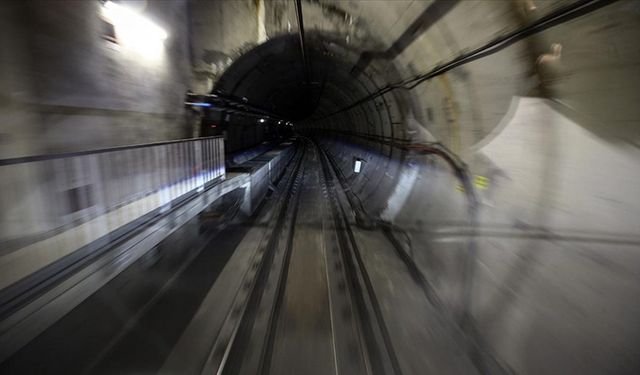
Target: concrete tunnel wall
{"points": [[549, 134], [66, 88]]}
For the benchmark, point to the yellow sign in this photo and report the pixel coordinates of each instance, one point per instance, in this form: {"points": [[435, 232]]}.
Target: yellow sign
{"points": [[480, 182]]}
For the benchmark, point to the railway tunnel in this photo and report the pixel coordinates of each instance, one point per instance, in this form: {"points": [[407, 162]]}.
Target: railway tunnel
{"points": [[293, 187]]}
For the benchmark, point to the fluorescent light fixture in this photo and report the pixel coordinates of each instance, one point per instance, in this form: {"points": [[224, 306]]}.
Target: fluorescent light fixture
{"points": [[134, 31], [198, 104], [357, 166]]}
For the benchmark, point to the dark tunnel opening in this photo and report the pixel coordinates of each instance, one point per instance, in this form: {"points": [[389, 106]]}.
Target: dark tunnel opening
{"points": [[273, 76]]}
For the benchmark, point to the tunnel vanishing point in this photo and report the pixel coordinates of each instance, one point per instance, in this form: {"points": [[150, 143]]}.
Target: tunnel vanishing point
{"points": [[320, 187]]}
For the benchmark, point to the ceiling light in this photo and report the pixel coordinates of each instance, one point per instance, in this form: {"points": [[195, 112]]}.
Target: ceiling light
{"points": [[135, 31]]}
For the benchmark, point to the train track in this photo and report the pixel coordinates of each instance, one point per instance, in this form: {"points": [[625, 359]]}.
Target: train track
{"points": [[249, 346], [226, 355], [483, 359], [381, 356], [257, 337]]}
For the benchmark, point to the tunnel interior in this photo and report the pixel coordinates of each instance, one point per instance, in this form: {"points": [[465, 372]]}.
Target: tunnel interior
{"points": [[515, 119], [275, 76], [408, 186]]}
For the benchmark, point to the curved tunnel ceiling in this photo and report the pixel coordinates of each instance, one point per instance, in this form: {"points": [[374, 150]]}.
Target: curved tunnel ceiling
{"points": [[355, 48], [273, 75], [345, 67]]}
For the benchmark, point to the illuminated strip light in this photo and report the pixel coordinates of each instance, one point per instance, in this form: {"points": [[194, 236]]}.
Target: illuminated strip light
{"points": [[198, 104], [357, 166]]}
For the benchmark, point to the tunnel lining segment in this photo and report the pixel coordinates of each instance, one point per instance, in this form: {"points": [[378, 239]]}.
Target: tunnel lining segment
{"points": [[559, 16]]}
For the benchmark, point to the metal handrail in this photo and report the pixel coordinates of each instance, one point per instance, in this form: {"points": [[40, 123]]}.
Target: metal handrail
{"points": [[32, 158], [43, 195]]}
